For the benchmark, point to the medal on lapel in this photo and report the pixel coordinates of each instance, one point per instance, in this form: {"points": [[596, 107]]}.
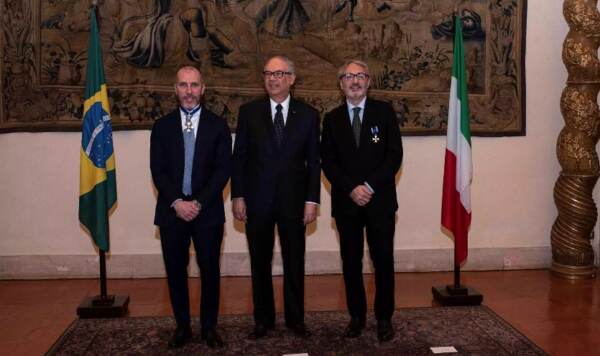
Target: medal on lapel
{"points": [[375, 134]]}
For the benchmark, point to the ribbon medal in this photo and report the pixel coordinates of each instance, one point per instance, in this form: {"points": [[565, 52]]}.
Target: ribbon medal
{"points": [[189, 127], [374, 134]]}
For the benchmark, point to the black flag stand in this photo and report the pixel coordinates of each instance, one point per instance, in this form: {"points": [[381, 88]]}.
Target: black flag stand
{"points": [[456, 294], [103, 305]]}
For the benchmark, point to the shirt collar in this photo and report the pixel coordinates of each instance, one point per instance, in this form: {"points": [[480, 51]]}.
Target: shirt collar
{"points": [[193, 110], [285, 104], [360, 105], [195, 118], [284, 110]]}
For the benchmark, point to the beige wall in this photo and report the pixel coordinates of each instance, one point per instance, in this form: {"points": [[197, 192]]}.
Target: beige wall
{"points": [[511, 192]]}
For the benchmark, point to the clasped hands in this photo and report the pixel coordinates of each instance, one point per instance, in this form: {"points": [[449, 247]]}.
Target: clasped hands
{"points": [[187, 210], [239, 211], [361, 195]]}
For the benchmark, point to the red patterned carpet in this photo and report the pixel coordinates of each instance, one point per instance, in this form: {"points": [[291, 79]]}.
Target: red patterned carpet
{"points": [[471, 330]]}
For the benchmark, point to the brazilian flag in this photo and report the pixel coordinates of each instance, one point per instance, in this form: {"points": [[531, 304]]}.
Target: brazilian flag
{"points": [[97, 183]]}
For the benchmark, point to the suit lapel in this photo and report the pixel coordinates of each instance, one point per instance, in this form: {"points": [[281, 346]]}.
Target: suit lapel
{"points": [[369, 120], [290, 122], [268, 120], [199, 138], [177, 134], [345, 126]]}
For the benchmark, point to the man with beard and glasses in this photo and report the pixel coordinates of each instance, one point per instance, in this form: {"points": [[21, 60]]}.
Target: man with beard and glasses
{"points": [[190, 161], [361, 152], [276, 182]]}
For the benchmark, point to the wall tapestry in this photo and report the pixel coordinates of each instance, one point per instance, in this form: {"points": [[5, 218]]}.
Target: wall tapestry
{"points": [[407, 44]]}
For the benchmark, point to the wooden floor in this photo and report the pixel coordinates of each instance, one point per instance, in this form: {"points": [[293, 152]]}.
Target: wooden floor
{"points": [[561, 316]]}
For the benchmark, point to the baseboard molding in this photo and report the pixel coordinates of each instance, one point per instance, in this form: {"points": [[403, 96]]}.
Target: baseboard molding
{"points": [[238, 263]]}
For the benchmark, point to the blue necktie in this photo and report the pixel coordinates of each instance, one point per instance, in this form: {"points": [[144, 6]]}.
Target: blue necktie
{"points": [[189, 142], [278, 123]]}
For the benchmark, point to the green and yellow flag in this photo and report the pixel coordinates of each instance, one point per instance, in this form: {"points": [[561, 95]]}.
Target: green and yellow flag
{"points": [[97, 181]]}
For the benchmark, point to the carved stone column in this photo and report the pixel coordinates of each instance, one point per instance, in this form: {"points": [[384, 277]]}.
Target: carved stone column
{"points": [[572, 253]]}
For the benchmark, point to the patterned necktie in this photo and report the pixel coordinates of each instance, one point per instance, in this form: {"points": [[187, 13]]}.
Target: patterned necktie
{"points": [[189, 142], [356, 125], [278, 123]]}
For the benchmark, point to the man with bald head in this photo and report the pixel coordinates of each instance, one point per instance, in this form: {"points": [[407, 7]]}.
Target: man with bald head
{"points": [[190, 161], [276, 182]]}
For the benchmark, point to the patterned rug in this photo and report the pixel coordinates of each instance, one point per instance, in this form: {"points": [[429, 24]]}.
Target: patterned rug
{"points": [[470, 330]]}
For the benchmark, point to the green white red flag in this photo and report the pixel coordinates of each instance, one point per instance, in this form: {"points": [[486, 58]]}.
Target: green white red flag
{"points": [[458, 165]]}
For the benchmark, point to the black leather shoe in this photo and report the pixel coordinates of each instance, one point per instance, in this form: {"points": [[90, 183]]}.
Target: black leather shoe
{"points": [[385, 331], [260, 330], [354, 328], [180, 337], [212, 338], [300, 330]]}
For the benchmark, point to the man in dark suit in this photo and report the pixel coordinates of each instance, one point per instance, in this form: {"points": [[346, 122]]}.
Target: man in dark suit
{"points": [[190, 160], [276, 181], [361, 152]]}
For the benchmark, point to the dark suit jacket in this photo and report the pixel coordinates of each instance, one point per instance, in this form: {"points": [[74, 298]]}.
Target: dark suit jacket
{"points": [[210, 172], [376, 161], [271, 178]]}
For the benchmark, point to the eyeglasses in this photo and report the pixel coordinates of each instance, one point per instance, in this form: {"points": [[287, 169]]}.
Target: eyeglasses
{"points": [[278, 74], [350, 76]]}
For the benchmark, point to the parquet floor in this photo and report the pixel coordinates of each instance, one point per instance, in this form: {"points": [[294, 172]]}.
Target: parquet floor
{"points": [[561, 316]]}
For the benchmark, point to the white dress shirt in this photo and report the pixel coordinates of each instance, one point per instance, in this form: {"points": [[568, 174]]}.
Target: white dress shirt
{"points": [[286, 107], [360, 105]]}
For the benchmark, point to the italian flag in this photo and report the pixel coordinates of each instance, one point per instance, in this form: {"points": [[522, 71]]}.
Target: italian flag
{"points": [[458, 166]]}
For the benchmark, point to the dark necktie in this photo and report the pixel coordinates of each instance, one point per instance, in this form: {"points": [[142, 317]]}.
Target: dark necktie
{"points": [[356, 125], [278, 123], [189, 142]]}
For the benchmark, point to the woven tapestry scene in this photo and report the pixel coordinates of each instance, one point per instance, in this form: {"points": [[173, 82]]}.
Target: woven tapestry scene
{"points": [[407, 44], [470, 330]]}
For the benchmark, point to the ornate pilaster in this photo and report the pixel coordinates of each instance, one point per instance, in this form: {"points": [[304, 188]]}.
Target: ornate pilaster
{"points": [[572, 253]]}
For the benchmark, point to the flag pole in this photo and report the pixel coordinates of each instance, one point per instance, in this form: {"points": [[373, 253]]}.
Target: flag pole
{"points": [[103, 298], [456, 262], [100, 194], [457, 288], [456, 294], [103, 294], [456, 273]]}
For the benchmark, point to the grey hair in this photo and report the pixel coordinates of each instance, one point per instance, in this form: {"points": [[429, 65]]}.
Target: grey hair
{"points": [[290, 64], [358, 62]]}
